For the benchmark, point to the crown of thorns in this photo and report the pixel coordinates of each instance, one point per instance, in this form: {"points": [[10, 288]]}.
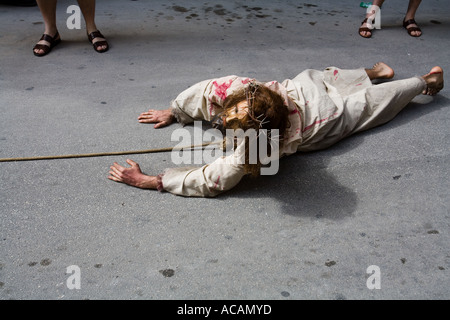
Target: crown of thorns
{"points": [[250, 94]]}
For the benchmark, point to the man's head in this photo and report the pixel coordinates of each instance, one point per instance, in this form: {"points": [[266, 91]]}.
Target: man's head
{"points": [[257, 108]]}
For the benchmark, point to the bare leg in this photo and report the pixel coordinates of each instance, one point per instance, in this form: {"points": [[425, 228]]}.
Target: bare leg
{"points": [[412, 9], [88, 9], [48, 11], [380, 71], [411, 14], [368, 34]]}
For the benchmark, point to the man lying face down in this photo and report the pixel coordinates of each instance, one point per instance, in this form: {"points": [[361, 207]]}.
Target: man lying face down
{"points": [[310, 112]]}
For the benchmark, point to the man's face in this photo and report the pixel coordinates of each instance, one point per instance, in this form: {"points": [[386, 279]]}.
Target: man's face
{"points": [[238, 112]]}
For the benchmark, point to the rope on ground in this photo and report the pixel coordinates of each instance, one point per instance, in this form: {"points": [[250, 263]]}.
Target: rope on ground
{"points": [[104, 154]]}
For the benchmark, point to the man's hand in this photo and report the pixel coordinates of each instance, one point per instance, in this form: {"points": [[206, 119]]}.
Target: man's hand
{"points": [[162, 118], [132, 176]]}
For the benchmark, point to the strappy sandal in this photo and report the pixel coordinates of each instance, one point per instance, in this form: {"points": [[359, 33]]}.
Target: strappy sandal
{"points": [[411, 29], [366, 29], [374, 9], [53, 41], [97, 44]]}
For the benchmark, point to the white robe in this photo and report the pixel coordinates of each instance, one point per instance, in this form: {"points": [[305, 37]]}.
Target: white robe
{"points": [[325, 106]]}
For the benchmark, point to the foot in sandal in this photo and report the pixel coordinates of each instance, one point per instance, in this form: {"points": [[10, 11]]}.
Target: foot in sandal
{"points": [[366, 28], [98, 41], [46, 44], [412, 28]]}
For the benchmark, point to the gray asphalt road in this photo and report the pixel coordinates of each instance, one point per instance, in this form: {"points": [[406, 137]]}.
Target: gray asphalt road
{"points": [[373, 209]]}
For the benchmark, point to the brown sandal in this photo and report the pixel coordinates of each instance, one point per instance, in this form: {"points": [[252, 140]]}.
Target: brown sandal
{"points": [[411, 29], [53, 42], [97, 44], [361, 29]]}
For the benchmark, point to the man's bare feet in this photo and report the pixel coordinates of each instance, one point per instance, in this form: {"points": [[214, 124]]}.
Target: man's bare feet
{"points": [[380, 71], [434, 80], [162, 118]]}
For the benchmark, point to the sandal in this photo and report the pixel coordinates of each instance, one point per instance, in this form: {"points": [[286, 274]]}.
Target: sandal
{"points": [[53, 41], [411, 29], [366, 29], [369, 20], [97, 44]]}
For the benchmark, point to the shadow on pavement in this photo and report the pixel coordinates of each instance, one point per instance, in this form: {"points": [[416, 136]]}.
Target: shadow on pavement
{"points": [[303, 185]]}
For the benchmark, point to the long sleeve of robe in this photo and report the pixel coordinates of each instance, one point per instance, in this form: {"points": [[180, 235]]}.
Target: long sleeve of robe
{"points": [[324, 107]]}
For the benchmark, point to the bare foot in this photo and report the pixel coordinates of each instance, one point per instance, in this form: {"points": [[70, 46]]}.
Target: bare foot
{"points": [[380, 71], [434, 80], [162, 118]]}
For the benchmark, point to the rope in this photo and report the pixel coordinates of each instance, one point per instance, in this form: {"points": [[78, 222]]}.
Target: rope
{"points": [[120, 153]]}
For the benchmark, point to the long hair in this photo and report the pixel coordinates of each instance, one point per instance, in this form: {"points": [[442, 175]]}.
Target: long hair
{"points": [[266, 110]]}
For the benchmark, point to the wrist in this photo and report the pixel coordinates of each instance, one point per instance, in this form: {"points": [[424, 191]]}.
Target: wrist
{"points": [[174, 116], [148, 182]]}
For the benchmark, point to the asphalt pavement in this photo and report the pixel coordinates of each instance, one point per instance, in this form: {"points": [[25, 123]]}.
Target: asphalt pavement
{"points": [[367, 218]]}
